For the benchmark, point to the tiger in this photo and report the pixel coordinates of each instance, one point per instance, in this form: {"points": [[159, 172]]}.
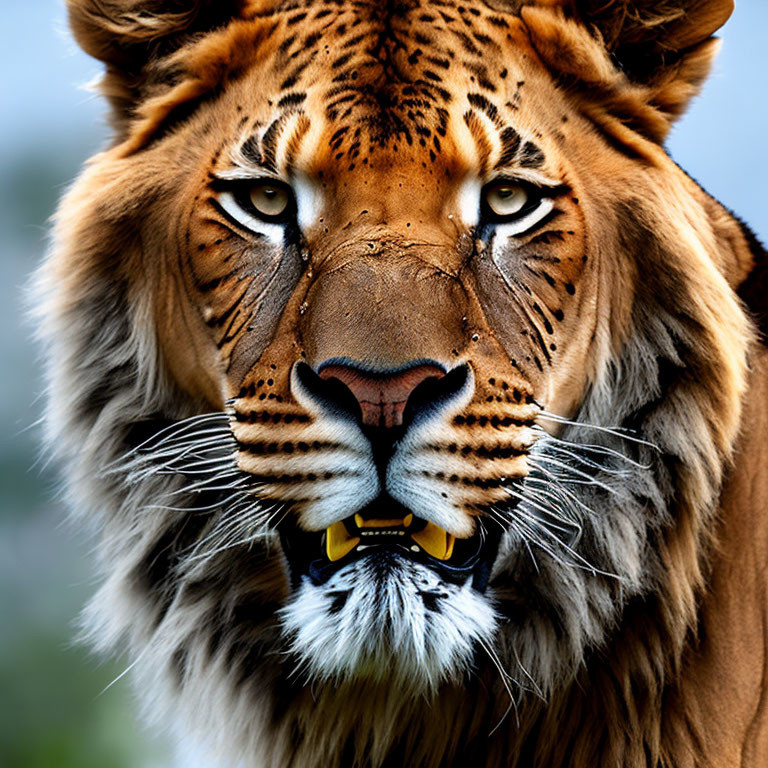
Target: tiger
{"points": [[415, 396]]}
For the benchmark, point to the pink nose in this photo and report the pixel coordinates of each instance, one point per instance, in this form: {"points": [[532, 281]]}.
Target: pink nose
{"points": [[382, 396]]}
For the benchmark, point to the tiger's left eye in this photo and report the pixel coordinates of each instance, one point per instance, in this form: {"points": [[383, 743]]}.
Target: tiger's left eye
{"points": [[506, 199], [269, 200]]}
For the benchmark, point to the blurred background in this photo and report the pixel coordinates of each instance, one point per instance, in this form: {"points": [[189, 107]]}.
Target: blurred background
{"points": [[54, 709]]}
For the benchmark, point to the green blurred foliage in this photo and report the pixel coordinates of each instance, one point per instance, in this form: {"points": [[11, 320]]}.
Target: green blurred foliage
{"points": [[56, 716]]}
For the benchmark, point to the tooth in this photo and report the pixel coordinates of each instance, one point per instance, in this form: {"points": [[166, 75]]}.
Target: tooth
{"points": [[338, 542], [435, 541], [380, 522]]}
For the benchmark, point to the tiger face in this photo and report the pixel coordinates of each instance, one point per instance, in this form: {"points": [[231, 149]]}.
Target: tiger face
{"points": [[385, 264], [379, 322]]}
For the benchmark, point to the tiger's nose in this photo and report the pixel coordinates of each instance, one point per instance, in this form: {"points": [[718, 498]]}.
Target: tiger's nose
{"points": [[382, 396]]}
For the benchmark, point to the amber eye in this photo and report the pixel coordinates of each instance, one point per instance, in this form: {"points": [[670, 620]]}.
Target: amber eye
{"points": [[269, 200], [514, 208], [506, 199]]}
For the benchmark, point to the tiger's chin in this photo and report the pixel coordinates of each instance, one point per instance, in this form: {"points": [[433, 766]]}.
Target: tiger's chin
{"points": [[389, 611]]}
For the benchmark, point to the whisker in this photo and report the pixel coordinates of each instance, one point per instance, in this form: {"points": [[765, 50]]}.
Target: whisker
{"points": [[566, 526], [586, 565], [136, 661], [534, 524], [508, 523], [620, 432], [168, 458], [584, 460], [563, 465], [552, 487], [178, 427], [505, 677], [202, 486], [588, 448], [553, 493], [536, 688], [232, 533], [536, 540], [571, 527]]}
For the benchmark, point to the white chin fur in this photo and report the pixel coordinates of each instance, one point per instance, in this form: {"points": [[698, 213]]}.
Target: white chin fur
{"points": [[387, 618]]}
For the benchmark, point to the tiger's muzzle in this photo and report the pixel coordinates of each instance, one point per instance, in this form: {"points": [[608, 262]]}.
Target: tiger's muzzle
{"points": [[386, 406]]}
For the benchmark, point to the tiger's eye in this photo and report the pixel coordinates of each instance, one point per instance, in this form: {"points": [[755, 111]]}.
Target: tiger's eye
{"points": [[506, 199], [269, 200]]}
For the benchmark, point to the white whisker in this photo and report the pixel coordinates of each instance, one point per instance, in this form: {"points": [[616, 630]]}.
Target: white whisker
{"points": [[619, 432], [568, 468]]}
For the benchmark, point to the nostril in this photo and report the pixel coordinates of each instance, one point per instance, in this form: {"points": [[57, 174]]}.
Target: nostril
{"points": [[382, 397], [433, 393], [333, 394]]}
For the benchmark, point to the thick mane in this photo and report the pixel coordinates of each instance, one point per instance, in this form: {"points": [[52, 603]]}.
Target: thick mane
{"points": [[588, 644]]}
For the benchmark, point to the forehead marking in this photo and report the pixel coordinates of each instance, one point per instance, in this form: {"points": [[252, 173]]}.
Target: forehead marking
{"points": [[492, 137], [480, 73], [276, 148], [491, 110], [388, 80], [299, 129], [296, 72]]}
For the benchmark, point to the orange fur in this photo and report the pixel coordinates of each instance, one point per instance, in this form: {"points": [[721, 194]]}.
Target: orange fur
{"points": [[643, 266]]}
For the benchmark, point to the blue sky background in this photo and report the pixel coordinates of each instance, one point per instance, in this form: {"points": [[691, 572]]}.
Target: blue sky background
{"points": [[51, 713]]}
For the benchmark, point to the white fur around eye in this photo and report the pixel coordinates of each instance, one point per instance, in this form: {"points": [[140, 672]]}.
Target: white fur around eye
{"points": [[522, 225], [273, 232]]}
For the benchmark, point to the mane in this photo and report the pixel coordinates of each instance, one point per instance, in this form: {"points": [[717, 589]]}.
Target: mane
{"points": [[666, 381]]}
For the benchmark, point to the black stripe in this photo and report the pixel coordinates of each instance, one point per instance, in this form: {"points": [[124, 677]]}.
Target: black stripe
{"points": [[291, 100], [531, 156], [269, 144], [510, 144]]}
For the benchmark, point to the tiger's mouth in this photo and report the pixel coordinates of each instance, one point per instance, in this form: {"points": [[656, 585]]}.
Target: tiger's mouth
{"points": [[386, 526]]}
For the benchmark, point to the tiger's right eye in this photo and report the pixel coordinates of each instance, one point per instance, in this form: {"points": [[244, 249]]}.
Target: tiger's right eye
{"points": [[269, 200]]}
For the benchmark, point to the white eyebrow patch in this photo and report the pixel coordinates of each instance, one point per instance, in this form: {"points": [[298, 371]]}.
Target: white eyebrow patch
{"points": [[468, 200], [309, 200], [521, 226]]}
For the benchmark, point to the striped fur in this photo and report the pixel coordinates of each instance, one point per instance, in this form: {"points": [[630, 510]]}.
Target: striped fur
{"points": [[607, 423]]}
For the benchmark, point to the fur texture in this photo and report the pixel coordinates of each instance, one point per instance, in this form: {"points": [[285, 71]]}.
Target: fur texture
{"points": [[607, 359]]}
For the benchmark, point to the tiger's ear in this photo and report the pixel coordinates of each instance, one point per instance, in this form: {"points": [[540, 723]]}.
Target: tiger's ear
{"points": [[646, 36], [132, 37], [663, 47]]}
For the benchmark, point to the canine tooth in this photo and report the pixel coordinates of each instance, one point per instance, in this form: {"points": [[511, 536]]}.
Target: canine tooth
{"points": [[435, 541], [338, 542]]}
